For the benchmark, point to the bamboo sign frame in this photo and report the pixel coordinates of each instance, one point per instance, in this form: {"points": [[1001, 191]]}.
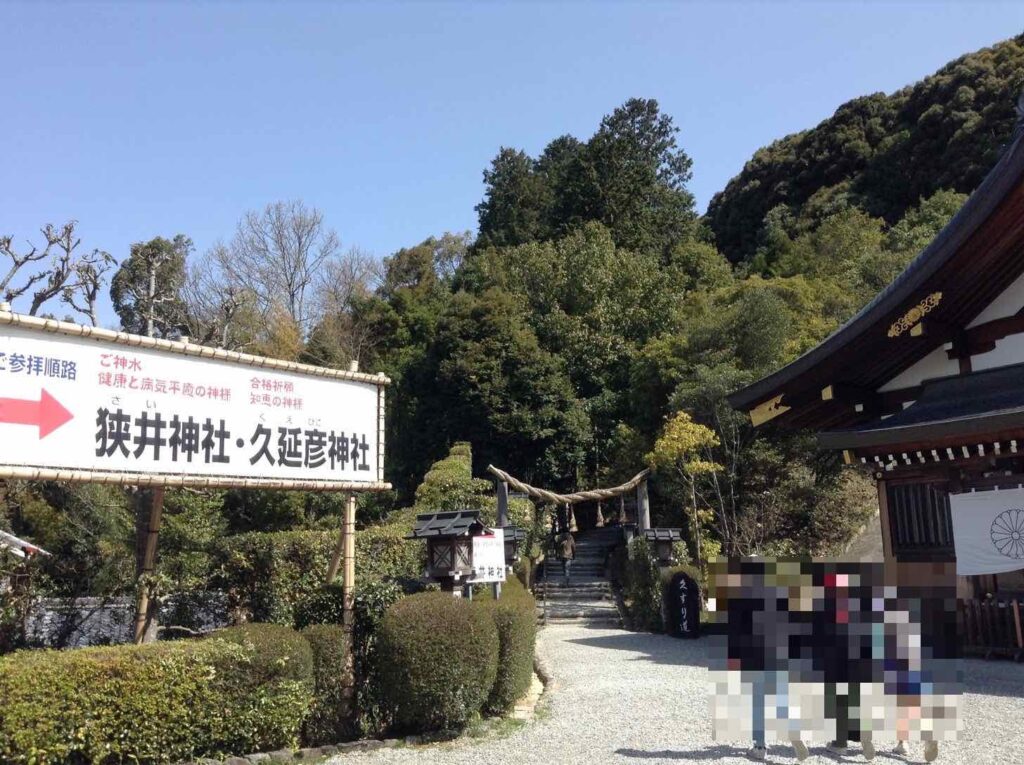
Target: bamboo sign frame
{"points": [[37, 392]]}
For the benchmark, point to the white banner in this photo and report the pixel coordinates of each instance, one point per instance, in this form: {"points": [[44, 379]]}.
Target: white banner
{"points": [[489, 557], [988, 531], [91, 404]]}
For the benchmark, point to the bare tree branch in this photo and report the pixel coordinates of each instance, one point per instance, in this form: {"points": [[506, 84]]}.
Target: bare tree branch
{"points": [[90, 273], [276, 254], [60, 246]]}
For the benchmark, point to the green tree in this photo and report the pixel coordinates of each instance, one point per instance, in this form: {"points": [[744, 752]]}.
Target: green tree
{"points": [[683, 451], [515, 208], [881, 153], [146, 290], [496, 387], [631, 176]]}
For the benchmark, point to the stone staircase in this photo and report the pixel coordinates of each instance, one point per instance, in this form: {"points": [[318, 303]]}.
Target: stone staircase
{"points": [[587, 597]]}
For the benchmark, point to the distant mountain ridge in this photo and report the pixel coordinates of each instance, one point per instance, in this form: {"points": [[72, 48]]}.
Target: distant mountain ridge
{"points": [[881, 153]]}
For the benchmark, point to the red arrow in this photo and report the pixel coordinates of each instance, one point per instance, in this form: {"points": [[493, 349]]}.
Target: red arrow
{"points": [[47, 413]]}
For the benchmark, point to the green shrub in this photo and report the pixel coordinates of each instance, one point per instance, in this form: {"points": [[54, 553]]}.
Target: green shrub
{"points": [[267, 574], [438, 661], [642, 586], [372, 599], [330, 717], [450, 485], [161, 702], [325, 605], [644, 581], [283, 653], [515, 617]]}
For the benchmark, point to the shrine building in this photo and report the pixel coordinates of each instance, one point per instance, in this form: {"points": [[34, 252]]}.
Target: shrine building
{"points": [[925, 388]]}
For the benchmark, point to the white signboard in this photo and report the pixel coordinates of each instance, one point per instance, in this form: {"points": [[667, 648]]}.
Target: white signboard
{"points": [[489, 557], [78, 403], [988, 531]]}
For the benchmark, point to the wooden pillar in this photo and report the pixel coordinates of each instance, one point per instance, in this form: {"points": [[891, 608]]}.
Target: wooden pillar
{"points": [[348, 600], [502, 503], [344, 557], [143, 607], [883, 519], [643, 507]]}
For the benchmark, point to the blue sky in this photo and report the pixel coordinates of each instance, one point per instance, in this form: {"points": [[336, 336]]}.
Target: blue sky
{"points": [[152, 119]]}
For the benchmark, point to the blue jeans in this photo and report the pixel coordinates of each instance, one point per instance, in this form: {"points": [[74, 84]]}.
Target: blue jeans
{"points": [[768, 683], [566, 565]]}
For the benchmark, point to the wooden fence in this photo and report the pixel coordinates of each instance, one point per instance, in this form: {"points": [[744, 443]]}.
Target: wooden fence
{"points": [[991, 627]]}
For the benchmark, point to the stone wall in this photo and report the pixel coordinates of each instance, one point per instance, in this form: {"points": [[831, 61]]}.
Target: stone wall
{"points": [[80, 622]]}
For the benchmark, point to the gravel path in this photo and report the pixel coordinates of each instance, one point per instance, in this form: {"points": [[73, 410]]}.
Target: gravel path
{"points": [[624, 697]]}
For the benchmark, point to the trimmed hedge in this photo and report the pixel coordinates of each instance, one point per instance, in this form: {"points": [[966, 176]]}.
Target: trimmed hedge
{"points": [[161, 702], [515, 617], [330, 718], [288, 655], [449, 484], [438, 661], [267, 574], [372, 599]]}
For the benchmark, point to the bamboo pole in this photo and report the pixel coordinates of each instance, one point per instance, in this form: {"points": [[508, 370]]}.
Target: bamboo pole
{"points": [[348, 600], [142, 605], [173, 480], [339, 548]]}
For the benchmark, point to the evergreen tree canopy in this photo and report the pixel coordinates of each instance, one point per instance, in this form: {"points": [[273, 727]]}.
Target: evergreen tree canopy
{"points": [[631, 175], [881, 153]]}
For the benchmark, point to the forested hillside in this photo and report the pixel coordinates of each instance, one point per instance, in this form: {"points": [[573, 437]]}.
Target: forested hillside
{"points": [[880, 153]]}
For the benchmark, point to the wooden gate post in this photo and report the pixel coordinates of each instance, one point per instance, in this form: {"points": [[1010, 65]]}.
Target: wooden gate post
{"points": [[344, 557], [142, 604], [502, 487], [643, 507]]}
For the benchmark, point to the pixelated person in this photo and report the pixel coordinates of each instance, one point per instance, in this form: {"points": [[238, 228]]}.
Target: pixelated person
{"points": [[765, 661], [833, 647], [566, 552], [854, 620], [910, 630]]}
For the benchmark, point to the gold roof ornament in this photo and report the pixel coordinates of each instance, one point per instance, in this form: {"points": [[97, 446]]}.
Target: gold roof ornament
{"points": [[914, 315]]}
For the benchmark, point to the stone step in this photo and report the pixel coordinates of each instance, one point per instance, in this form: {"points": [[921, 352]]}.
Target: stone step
{"points": [[595, 623], [581, 613], [596, 585], [569, 595]]}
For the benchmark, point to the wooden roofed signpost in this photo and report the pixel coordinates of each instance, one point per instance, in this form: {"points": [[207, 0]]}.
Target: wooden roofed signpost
{"points": [[85, 404]]}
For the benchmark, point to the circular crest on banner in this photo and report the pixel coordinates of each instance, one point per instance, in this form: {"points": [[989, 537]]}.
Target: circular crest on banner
{"points": [[1008, 533]]}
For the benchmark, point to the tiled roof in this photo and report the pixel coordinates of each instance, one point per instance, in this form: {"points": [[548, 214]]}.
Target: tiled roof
{"points": [[664, 535], [452, 523], [971, 404], [514, 532]]}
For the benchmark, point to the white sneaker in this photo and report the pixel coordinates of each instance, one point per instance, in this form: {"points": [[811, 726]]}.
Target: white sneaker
{"points": [[757, 753], [800, 750], [869, 750], [931, 750], [900, 748]]}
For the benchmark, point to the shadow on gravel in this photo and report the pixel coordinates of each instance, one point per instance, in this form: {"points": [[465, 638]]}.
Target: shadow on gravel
{"points": [[710, 753], [993, 677], [719, 751], [658, 649]]}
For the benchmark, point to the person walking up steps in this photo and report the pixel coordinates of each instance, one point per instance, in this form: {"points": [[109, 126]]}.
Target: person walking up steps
{"points": [[566, 552]]}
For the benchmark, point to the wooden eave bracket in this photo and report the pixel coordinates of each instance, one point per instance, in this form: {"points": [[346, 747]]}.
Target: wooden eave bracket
{"points": [[768, 410]]}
